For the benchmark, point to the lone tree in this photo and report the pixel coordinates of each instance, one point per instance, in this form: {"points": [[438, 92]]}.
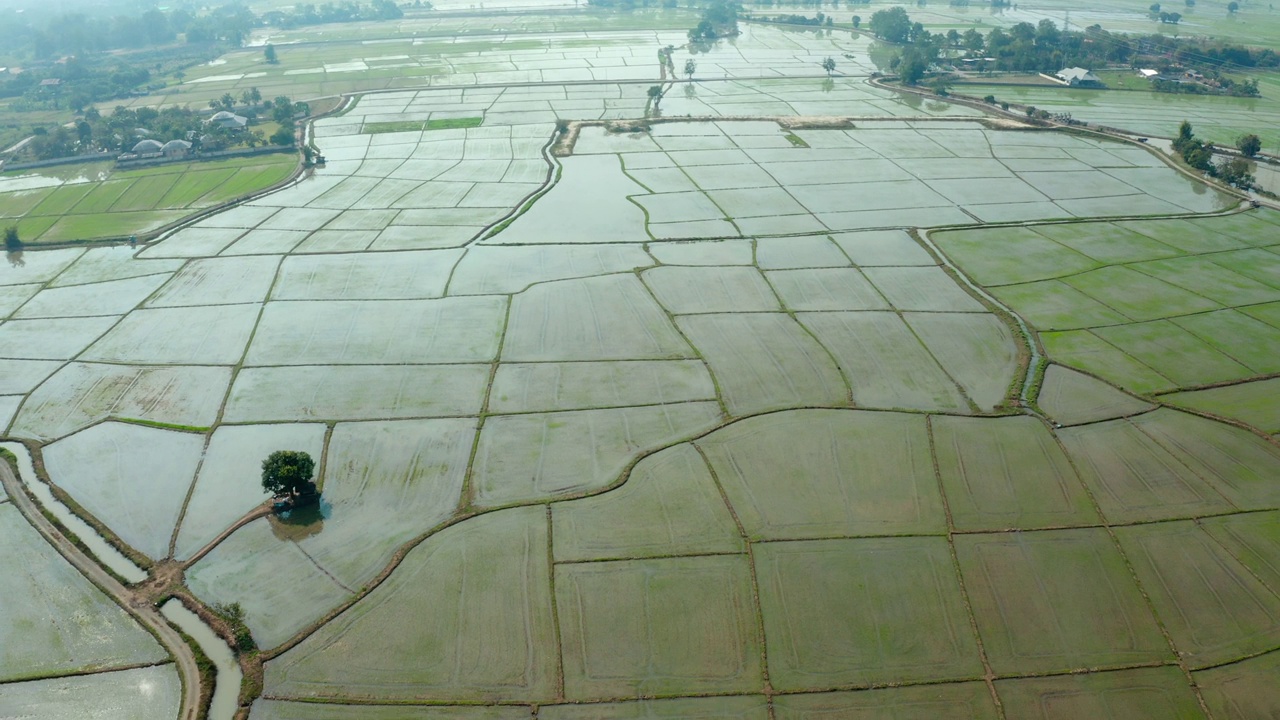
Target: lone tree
{"points": [[829, 65], [1249, 145], [270, 54], [690, 67], [655, 95], [287, 472], [12, 243]]}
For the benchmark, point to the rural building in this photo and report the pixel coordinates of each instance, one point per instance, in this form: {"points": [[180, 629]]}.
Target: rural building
{"points": [[230, 120], [1078, 77], [176, 149], [1148, 73], [147, 147]]}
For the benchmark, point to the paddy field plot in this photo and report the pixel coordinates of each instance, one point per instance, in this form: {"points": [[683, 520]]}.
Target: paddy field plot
{"points": [[1238, 463], [80, 394], [488, 270], [280, 589], [1073, 398], [138, 495], [807, 474], [1214, 608], [658, 627], [385, 483], [112, 297], [390, 276], [93, 204], [54, 621], [287, 710], [1242, 690], [884, 363], [204, 335], [492, 636], [765, 361], [147, 693], [643, 517], [520, 458], [749, 707], [1135, 478], [1175, 305], [218, 281], [610, 317], [541, 387], [1255, 403], [355, 392], [1002, 473], [449, 330], [963, 701], [833, 613], [1057, 601], [1141, 694], [228, 484]]}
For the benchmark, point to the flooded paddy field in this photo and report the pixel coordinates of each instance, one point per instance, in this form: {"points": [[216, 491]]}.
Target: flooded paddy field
{"points": [[785, 399]]}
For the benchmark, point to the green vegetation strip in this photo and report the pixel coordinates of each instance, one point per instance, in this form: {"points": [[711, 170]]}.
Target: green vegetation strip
{"points": [[378, 128]]}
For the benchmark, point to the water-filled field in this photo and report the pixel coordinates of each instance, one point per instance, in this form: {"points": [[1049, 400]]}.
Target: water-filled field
{"points": [[721, 416]]}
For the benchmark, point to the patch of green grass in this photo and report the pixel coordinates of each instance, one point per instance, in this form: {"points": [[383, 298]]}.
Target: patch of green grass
{"points": [[377, 128], [21, 202], [61, 200], [796, 140], [101, 198], [453, 123], [107, 224]]}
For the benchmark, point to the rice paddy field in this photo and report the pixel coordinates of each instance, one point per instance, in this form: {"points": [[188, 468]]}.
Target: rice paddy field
{"points": [[95, 200], [789, 399]]}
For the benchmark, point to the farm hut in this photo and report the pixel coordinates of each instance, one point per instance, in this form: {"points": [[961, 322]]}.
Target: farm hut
{"points": [[1078, 77], [176, 149], [229, 120], [147, 147]]}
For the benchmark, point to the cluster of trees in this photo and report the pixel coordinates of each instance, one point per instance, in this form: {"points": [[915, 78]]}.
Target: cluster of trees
{"points": [[922, 47], [1223, 84], [719, 20], [1200, 52], [807, 3], [119, 131], [80, 82], [36, 36], [818, 21], [632, 4], [307, 14], [1046, 48], [1199, 155]]}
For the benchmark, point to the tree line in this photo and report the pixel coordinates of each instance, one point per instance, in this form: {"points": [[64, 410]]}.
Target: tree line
{"points": [[118, 131], [1045, 48], [32, 37]]}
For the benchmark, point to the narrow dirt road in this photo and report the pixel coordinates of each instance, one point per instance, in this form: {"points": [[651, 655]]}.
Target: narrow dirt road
{"points": [[141, 610]]}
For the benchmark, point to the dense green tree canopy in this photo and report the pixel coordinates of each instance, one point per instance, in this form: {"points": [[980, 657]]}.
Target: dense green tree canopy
{"points": [[287, 472]]}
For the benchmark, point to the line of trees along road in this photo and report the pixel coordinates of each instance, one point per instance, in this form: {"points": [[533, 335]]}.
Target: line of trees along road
{"points": [[1046, 48]]}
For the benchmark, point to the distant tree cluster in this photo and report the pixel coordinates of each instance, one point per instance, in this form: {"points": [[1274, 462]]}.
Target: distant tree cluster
{"points": [[35, 35], [124, 127], [819, 21], [1199, 155], [1045, 48], [719, 20], [329, 12]]}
